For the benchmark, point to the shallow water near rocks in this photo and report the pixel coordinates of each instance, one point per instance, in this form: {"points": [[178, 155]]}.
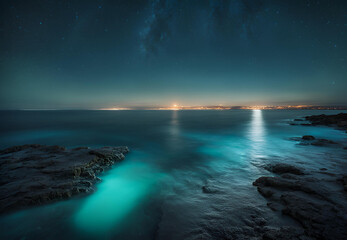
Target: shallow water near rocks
{"points": [[156, 192]]}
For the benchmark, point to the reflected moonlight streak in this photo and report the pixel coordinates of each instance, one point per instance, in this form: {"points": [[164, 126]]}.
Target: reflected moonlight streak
{"points": [[256, 133]]}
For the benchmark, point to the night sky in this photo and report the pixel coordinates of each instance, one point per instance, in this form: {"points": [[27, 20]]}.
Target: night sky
{"points": [[99, 54]]}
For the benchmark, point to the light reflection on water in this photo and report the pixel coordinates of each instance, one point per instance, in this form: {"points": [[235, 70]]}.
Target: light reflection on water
{"points": [[256, 133], [173, 139], [156, 192]]}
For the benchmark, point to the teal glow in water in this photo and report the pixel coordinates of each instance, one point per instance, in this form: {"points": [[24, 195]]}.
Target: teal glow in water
{"points": [[156, 192], [232, 149], [121, 191]]}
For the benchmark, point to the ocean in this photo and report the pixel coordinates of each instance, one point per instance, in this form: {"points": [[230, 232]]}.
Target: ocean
{"points": [[188, 175]]}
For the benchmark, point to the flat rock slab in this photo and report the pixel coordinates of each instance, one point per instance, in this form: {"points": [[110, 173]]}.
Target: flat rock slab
{"points": [[284, 168], [35, 174], [318, 204]]}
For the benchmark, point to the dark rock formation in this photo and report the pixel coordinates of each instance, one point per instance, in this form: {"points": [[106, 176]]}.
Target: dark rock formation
{"points": [[298, 121], [322, 142], [206, 189], [36, 174], [344, 182], [273, 183], [254, 227], [311, 140], [285, 233], [308, 137], [338, 120], [321, 211], [281, 168]]}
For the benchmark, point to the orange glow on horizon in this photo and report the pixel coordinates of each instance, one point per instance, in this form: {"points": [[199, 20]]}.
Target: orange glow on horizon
{"points": [[221, 107], [115, 109]]}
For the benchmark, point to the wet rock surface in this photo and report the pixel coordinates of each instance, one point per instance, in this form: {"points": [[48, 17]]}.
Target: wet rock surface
{"points": [[253, 227], [207, 189], [308, 137], [317, 203], [36, 174], [339, 120], [311, 140], [284, 168]]}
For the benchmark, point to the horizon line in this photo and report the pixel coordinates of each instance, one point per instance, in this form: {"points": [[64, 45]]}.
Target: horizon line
{"points": [[210, 107]]}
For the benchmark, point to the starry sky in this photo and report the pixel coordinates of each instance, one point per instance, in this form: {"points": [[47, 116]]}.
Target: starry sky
{"points": [[127, 53]]}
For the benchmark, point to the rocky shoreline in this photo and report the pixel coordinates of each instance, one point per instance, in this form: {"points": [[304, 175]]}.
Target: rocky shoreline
{"points": [[338, 121], [294, 192], [36, 174], [316, 200]]}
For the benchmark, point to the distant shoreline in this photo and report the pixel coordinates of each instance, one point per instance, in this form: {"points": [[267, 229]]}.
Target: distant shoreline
{"points": [[188, 109]]}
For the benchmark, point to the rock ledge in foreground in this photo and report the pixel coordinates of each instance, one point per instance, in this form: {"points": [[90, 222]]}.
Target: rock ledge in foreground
{"points": [[35, 174], [318, 204]]}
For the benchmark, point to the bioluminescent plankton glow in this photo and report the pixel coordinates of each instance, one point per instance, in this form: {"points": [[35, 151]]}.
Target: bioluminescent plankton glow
{"points": [[121, 191], [187, 172], [173, 119]]}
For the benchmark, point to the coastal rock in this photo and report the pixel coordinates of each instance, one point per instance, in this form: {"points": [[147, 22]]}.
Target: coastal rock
{"points": [[281, 168], [310, 201], [285, 233], [274, 206], [306, 124], [35, 174], [308, 186], [311, 140], [338, 120], [254, 227], [308, 137], [344, 182], [322, 142], [208, 189], [266, 192], [322, 221]]}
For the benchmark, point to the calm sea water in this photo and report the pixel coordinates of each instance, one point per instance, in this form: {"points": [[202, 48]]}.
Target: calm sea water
{"points": [[156, 192]]}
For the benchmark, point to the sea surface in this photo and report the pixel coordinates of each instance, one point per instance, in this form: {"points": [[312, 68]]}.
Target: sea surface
{"points": [[156, 192]]}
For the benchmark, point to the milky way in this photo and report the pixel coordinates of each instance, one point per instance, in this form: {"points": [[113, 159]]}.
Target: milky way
{"points": [[96, 54]]}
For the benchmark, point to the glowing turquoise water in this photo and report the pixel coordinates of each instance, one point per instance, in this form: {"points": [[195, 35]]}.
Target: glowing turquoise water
{"points": [[122, 189], [156, 192]]}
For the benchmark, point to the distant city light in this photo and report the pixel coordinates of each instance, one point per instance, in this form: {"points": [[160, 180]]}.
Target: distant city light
{"points": [[220, 107], [115, 109]]}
